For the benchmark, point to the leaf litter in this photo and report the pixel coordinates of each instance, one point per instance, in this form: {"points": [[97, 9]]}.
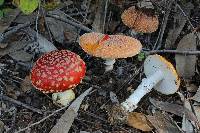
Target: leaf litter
{"points": [[163, 117]]}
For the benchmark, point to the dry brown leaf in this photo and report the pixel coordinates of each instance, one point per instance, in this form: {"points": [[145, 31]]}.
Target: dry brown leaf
{"points": [[22, 18], [9, 17], [26, 84], [186, 124], [17, 51], [197, 111], [12, 91], [3, 45], [139, 121], [163, 123], [66, 32], [1, 127], [176, 109], [191, 87], [64, 28], [196, 97], [185, 65]]}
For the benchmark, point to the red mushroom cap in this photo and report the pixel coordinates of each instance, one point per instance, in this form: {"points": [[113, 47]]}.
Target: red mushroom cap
{"points": [[57, 71]]}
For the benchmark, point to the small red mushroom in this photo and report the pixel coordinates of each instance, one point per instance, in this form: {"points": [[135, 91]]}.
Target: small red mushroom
{"points": [[58, 72]]}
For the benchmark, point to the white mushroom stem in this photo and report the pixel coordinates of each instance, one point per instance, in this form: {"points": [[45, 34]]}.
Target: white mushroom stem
{"points": [[145, 87], [109, 64], [64, 98]]}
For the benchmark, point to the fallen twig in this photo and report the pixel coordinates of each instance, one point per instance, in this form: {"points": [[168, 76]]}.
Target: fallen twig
{"points": [[61, 13], [66, 120], [78, 25], [186, 52], [21, 104], [43, 119], [44, 45], [127, 82], [186, 16], [157, 44], [100, 17]]}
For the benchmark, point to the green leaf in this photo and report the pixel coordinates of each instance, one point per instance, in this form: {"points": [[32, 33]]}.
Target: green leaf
{"points": [[52, 4], [1, 14], [141, 56], [1, 2], [26, 6]]}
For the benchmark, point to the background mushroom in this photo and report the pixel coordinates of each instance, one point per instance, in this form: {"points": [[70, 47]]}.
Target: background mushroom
{"points": [[58, 72], [140, 20], [109, 47], [161, 75]]}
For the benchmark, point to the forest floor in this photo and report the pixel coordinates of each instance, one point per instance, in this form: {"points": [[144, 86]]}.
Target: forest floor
{"points": [[27, 37]]}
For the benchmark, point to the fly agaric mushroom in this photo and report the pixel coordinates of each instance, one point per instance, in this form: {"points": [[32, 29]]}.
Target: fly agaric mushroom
{"points": [[161, 75], [58, 72], [140, 20], [109, 47]]}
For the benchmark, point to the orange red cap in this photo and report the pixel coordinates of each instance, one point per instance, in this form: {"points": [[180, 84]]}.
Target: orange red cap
{"points": [[141, 20], [110, 46], [57, 71]]}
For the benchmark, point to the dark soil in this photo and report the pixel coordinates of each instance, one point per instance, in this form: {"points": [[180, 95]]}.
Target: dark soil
{"points": [[92, 116]]}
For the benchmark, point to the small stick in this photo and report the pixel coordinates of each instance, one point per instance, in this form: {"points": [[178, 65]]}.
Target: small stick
{"points": [[21, 104], [43, 119], [186, 16], [185, 52], [157, 44], [70, 22], [128, 81], [100, 17], [105, 14], [59, 13]]}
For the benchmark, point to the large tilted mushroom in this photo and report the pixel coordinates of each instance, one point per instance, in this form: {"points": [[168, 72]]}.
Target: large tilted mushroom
{"points": [[58, 72], [109, 47], [161, 75], [140, 20]]}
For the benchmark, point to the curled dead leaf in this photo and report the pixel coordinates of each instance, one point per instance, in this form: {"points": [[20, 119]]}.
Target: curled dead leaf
{"points": [[139, 121]]}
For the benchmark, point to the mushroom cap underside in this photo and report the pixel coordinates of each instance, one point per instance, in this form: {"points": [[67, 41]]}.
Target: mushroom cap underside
{"points": [[171, 82], [109, 46], [57, 71]]}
